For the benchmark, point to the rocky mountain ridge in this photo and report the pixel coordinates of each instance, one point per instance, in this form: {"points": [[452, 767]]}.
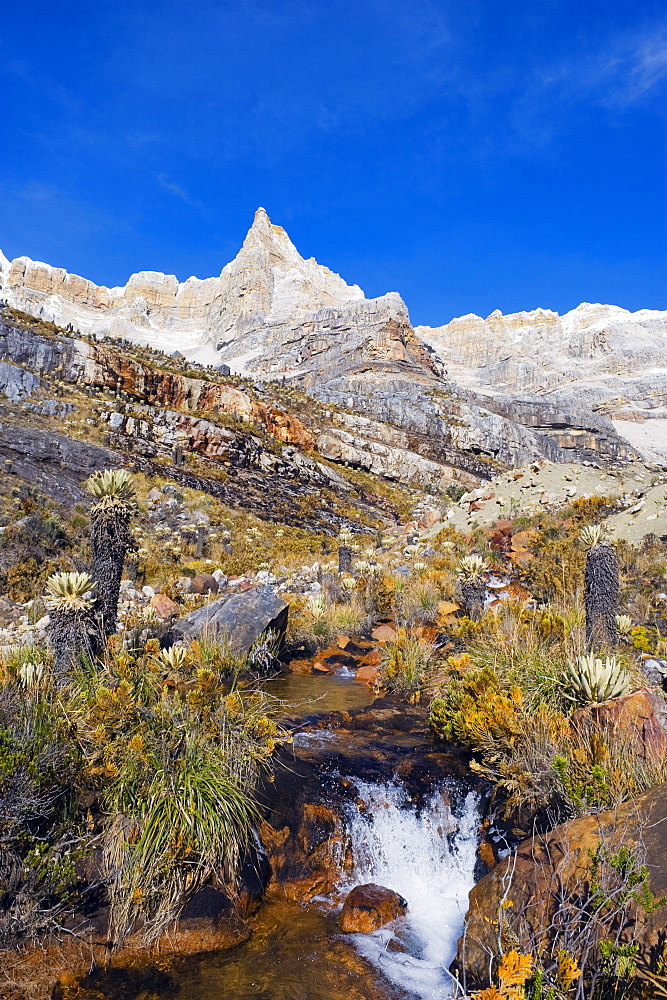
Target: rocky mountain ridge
{"points": [[420, 405], [616, 359]]}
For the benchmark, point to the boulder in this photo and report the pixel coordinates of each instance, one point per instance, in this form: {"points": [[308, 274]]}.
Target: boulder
{"points": [[384, 633], [369, 907], [164, 607], [428, 519], [242, 617], [367, 674], [203, 583], [524, 889], [635, 718]]}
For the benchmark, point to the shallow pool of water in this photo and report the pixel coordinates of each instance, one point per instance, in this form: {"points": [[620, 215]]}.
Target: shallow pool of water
{"points": [[312, 694], [295, 953]]}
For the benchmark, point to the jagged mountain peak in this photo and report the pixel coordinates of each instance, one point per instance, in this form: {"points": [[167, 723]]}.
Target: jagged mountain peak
{"points": [[263, 233]]}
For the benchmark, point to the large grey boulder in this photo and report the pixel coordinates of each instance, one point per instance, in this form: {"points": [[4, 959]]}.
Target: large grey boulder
{"points": [[242, 617]]}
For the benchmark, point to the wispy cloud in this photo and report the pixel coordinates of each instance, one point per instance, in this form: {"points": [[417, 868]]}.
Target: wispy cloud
{"points": [[643, 70], [622, 71], [177, 191]]}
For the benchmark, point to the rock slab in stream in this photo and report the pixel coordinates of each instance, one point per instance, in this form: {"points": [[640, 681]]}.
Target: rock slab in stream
{"points": [[369, 907], [243, 617]]}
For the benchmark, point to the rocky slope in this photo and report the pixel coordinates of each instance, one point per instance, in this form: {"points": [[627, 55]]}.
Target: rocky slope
{"points": [[424, 406]]}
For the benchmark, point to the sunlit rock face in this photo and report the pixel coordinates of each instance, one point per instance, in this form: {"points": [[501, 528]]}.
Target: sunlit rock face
{"points": [[608, 356], [267, 284]]}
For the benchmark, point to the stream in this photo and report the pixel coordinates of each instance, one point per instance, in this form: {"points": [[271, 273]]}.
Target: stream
{"points": [[423, 846]]}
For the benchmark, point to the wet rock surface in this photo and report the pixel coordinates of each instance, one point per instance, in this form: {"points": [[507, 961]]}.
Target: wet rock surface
{"points": [[527, 885], [293, 952], [369, 907], [303, 833]]}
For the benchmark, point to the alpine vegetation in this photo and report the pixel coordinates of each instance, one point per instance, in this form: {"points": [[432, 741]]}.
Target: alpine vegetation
{"points": [[110, 537], [72, 628]]}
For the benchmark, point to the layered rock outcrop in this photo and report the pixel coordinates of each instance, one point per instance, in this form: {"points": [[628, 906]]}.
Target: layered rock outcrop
{"points": [[519, 897], [437, 404]]}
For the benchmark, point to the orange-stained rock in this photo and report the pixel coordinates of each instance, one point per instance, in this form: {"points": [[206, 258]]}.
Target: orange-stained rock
{"points": [[428, 519], [368, 674], [521, 557], [518, 593], [384, 633], [320, 667], [635, 718], [304, 862], [486, 853], [549, 869], [301, 667], [447, 608], [522, 540], [427, 632], [110, 370], [371, 659], [164, 606], [368, 907], [203, 583]]}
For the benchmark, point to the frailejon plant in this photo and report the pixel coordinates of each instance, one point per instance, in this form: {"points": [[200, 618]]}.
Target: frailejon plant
{"points": [[623, 625], [72, 627], [602, 588], [589, 680], [470, 572], [173, 658], [110, 539]]}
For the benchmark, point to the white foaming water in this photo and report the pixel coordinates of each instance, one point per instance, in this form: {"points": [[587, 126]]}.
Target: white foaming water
{"points": [[428, 857]]}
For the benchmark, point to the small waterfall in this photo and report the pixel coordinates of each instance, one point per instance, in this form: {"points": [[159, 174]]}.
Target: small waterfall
{"points": [[426, 854]]}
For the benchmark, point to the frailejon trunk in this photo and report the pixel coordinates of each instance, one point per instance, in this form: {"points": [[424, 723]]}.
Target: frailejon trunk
{"points": [[110, 540], [473, 593], [602, 586], [344, 559], [71, 633]]}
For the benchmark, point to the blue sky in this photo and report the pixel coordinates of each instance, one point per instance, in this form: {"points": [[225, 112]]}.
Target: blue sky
{"points": [[470, 156]]}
